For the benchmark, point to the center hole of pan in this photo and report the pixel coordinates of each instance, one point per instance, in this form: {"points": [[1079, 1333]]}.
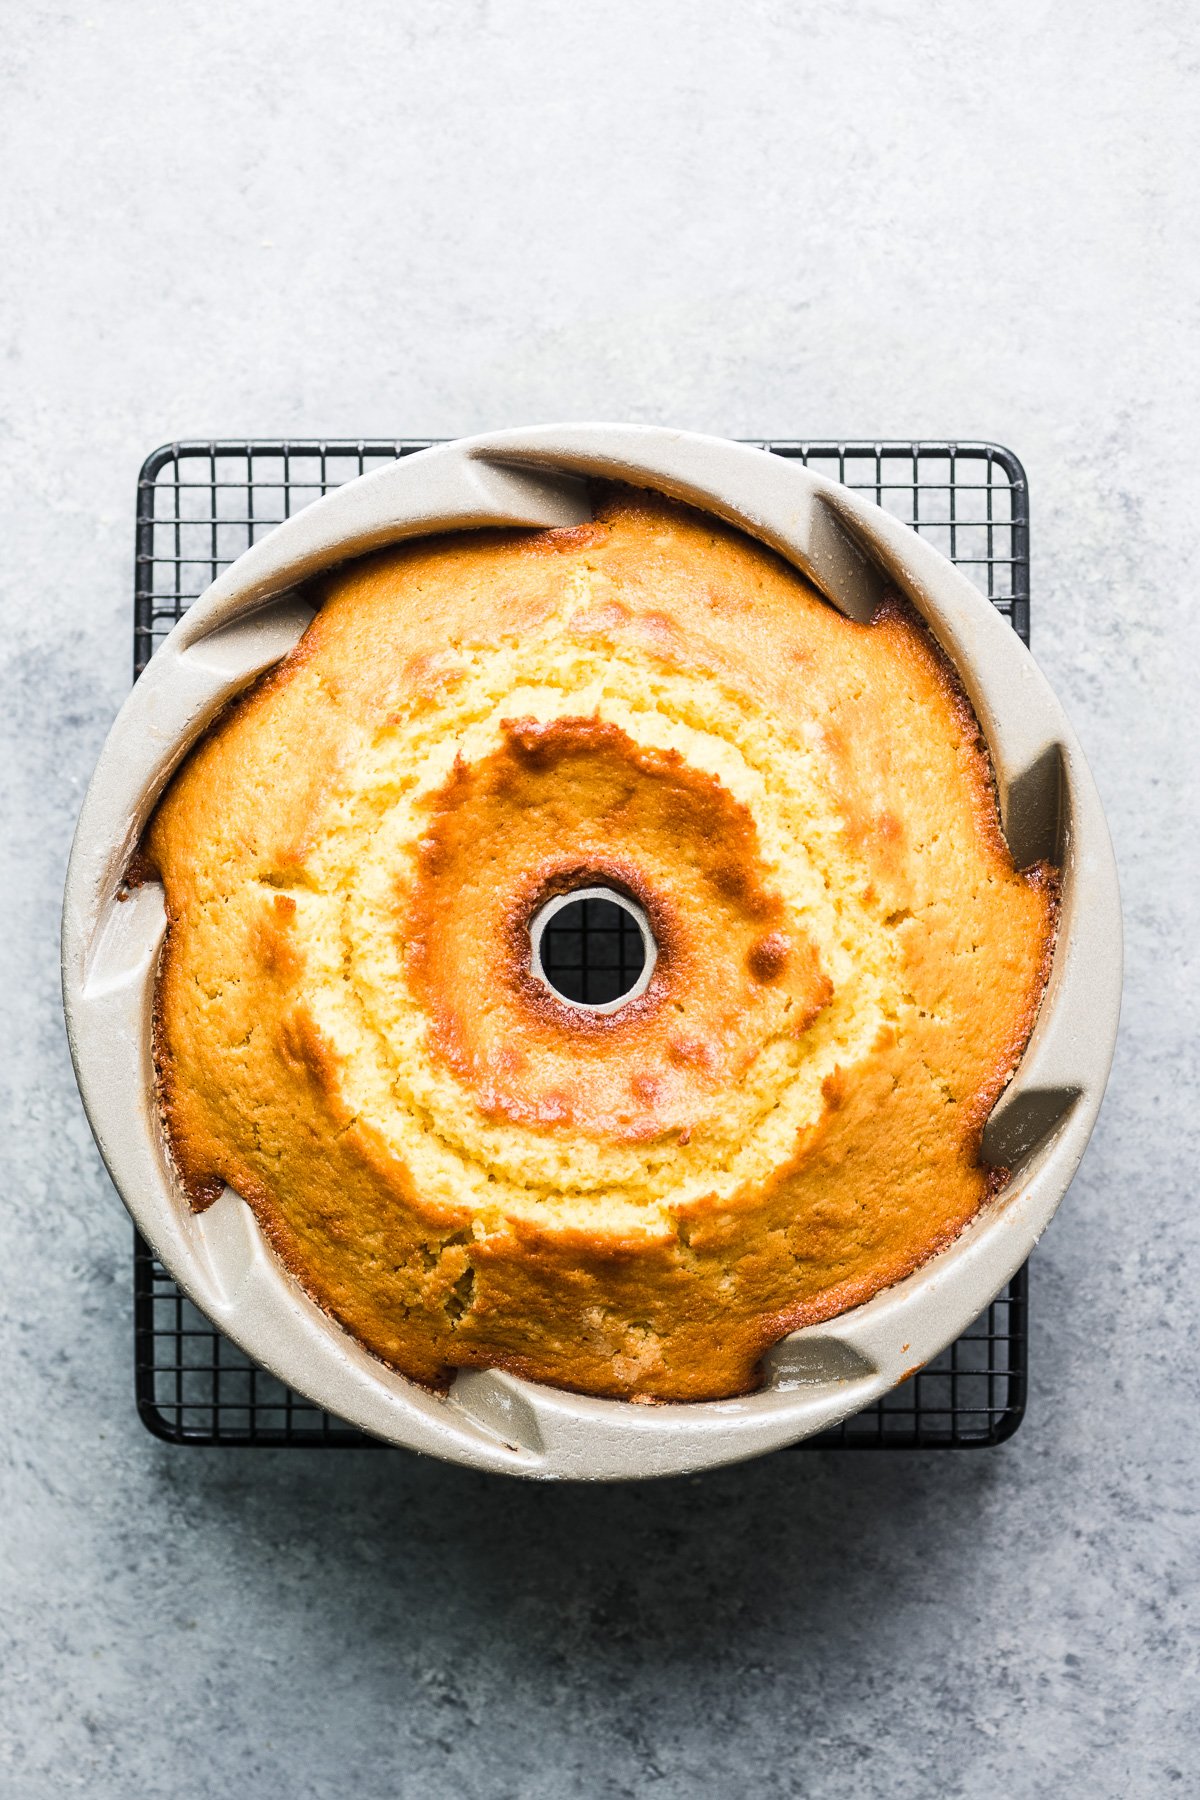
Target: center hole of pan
{"points": [[593, 948]]}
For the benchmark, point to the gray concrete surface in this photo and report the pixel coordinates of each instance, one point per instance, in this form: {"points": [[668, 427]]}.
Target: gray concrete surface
{"points": [[790, 218]]}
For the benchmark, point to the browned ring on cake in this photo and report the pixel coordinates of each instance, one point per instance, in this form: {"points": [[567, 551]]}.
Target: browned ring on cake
{"points": [[465, 1170], [637, 821]]}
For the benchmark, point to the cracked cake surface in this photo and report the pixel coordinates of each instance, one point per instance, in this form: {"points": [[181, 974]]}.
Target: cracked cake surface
{"points": [[466, 1171]]}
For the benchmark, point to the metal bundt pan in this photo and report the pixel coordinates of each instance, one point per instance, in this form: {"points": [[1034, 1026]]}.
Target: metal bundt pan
{"points": [[253, 615]]}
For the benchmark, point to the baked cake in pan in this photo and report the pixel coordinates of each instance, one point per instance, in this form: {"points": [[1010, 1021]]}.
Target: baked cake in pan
{"points": [[466, 1169]]}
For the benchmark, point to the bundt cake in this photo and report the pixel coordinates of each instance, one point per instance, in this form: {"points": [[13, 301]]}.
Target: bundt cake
{"points": [[464, 1167]]}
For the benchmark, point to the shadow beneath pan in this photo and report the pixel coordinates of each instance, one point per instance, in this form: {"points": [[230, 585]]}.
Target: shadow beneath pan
{"points": [[702, 1572]]}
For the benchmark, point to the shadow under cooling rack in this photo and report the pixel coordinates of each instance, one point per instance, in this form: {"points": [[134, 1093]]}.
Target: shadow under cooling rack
{"points": [[199, 505]]}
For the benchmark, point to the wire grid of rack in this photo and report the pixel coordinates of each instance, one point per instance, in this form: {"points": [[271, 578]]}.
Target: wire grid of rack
{"points": [[199, 505]]}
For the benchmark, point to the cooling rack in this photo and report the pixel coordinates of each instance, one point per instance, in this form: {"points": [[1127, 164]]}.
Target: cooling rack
{"points": [[199, 505]]}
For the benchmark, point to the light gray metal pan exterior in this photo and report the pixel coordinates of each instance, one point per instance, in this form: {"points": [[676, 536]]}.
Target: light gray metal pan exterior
{"points": [[253, 615]]}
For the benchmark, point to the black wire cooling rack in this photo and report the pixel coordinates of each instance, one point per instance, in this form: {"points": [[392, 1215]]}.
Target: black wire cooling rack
{"points": [[199, 505]]}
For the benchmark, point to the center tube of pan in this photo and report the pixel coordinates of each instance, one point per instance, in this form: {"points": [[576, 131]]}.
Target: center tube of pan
{"points": [[593, 948]]}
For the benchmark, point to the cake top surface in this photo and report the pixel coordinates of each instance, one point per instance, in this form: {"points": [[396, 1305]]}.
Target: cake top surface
{"points": [[466, 1169]]}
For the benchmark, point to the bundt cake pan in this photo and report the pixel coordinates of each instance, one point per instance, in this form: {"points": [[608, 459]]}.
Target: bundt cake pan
{"points": [[253, 615]]}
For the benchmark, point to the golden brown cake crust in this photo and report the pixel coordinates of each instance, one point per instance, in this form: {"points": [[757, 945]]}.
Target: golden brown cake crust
{"points": [[466, 1172]]}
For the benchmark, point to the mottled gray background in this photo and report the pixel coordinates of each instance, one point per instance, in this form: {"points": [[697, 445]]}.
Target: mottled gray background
{"points": [[893, 217]]}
